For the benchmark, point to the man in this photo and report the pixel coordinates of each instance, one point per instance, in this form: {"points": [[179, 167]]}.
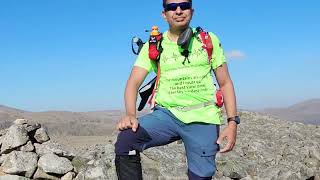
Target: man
{"points": [[183, 109]]}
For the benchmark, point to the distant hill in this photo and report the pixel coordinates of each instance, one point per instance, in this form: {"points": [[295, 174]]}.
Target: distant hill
{"points": [[8, 114], [306, 112], [65, 122], [6, 109]]}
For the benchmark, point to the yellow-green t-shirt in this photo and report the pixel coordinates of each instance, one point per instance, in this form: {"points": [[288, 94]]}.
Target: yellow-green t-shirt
{"points": [[188, 84]]}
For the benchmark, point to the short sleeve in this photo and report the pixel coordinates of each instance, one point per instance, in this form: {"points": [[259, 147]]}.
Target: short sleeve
{"points": [[143, 59], [218, 57]]}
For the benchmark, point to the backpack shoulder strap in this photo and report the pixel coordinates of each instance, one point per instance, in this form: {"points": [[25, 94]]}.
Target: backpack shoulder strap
{"points": [[155, 50], [205, 39]]}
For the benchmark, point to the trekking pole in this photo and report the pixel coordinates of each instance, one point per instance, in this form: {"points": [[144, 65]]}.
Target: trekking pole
{"points": [[138, 42]]}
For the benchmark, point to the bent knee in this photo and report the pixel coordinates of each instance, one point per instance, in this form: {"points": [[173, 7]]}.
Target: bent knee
{"points": [[128, 140]]}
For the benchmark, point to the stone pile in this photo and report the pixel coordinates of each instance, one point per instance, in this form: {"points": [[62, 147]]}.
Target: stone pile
{"points": [[26, 152]]}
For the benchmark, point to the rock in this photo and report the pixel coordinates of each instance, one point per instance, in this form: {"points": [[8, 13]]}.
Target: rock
{"points": [[51, 163], [2, 158], [218, 175], [306, 172], [50, 147], [165, 161], [247, 178], [32, 128], [68, 176], [231, 168], [40, 174], [96, 170], [13, 177], [16, 136], [3, 132], [41, 135], [289, 175], [310, 162], [18, 162], [317, 175], [79, 163], [20, 121], [109, 154], [27, 148], [224, 178], [80, 176], [0, 144], [314, 153]]}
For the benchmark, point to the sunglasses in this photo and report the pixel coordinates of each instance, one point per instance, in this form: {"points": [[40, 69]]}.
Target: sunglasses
{"points": [[174, 6]]}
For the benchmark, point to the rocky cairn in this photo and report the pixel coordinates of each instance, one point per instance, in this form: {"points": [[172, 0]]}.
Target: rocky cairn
{"points": [[267, 148], [27, 153]]}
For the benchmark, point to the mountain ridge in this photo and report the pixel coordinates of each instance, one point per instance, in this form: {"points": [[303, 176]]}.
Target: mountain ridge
{"points": [[307, 111]]}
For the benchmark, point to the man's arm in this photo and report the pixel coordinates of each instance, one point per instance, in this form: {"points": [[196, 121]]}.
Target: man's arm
{"points": [[135, 80], [226, 86]]}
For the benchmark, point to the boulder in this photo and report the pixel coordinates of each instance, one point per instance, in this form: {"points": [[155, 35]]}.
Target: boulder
{"points": [[2, 158], [96, 169], [32, 128], [41, 135], [40, 174], [55, 148], [79, 163], [20, 121], [164, 162], [3, 132], [16, 136], [51, 163], [68, 176], [18, 162], [27, 147], [13, 177]]}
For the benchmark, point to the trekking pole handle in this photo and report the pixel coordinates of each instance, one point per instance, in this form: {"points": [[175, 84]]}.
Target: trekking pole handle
{"points": [[139, 43]]}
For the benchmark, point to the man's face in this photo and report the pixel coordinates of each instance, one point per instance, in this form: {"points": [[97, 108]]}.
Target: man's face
{"points": [[180, 17]]}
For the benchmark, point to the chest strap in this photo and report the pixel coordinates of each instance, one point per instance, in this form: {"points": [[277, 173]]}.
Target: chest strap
{"points": [[196, 106]]}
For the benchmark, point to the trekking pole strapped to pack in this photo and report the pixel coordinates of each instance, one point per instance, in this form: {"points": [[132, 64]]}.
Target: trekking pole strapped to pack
{"points": [[145, 93], [138, 42]]}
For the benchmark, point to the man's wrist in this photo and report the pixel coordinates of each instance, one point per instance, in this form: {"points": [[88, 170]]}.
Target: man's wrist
{"points": [[234, 120], [131, 114], [232, 123]]}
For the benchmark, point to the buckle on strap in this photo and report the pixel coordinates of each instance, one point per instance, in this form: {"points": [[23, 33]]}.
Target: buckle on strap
{"points": [[196, 106]]}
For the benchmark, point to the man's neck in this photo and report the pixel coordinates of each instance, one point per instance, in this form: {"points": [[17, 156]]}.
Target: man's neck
{"points": [[173, 34]]}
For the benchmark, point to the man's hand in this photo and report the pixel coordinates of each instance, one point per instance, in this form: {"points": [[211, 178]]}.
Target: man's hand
{"points": [[230, 134], [127, 122]]}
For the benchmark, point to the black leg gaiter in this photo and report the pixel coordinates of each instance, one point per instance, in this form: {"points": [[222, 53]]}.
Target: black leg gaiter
{"points": [[128, 167]]}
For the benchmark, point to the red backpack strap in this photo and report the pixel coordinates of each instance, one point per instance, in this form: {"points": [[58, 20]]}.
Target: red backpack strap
{"points": [[155, 50], [206, 41]]}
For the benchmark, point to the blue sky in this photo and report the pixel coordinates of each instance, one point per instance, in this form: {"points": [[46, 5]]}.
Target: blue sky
{"points": [[76, 55]]}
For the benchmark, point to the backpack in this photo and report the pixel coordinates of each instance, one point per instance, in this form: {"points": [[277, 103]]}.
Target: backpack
{"points": [[155, 50]]}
